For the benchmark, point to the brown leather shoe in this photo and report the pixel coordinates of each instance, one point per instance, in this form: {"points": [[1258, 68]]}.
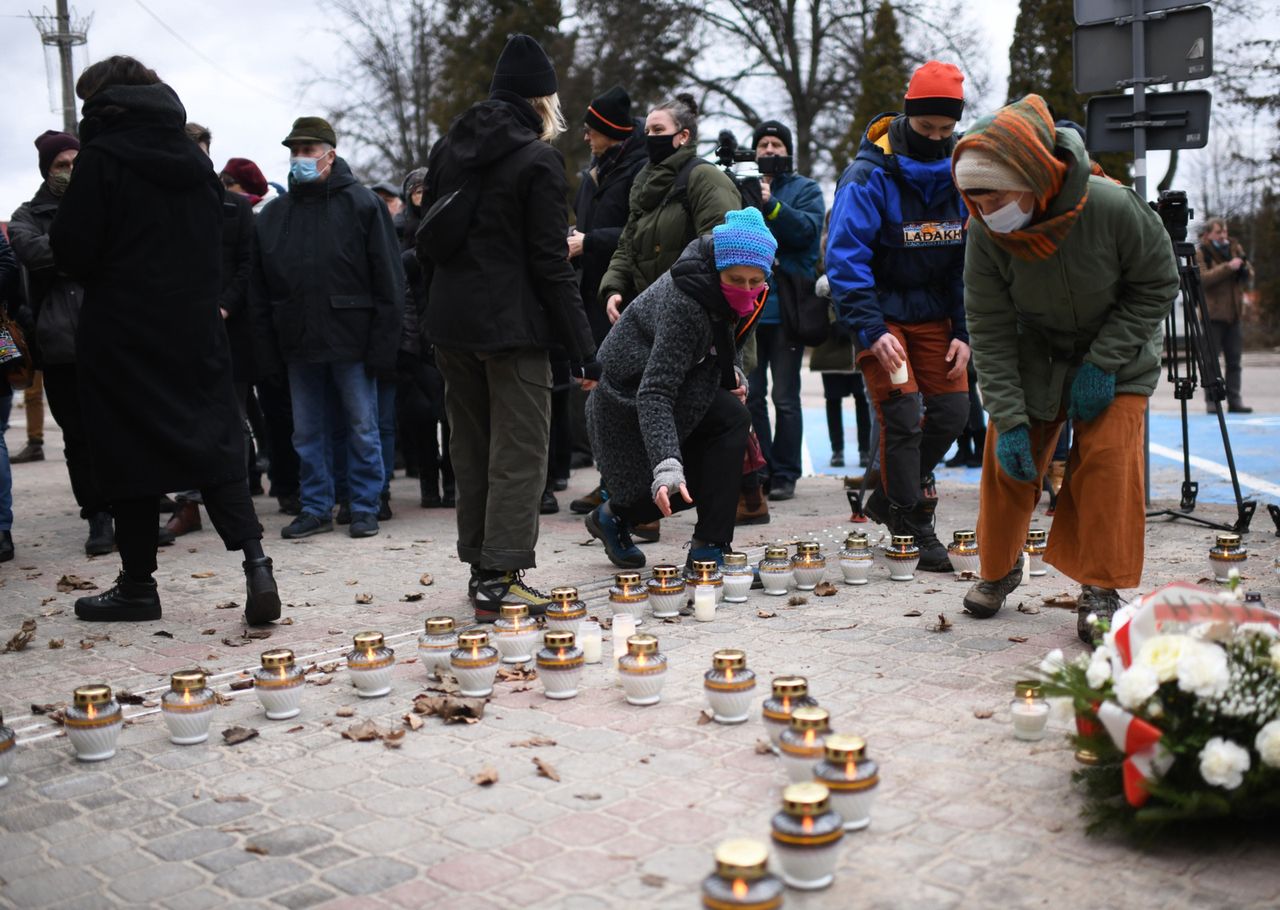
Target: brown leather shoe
{"points": [[752, 513], [32, 451], [186, 518], [649, 532]]}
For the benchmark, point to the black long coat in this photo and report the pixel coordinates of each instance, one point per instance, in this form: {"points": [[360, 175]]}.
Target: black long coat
{"points": [[600, 210], [237, 265], [140, 228]]}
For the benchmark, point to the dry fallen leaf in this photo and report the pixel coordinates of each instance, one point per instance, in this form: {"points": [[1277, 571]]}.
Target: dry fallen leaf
{"points": [[235, 642], [68, 583], [967, 576], [797, 600], [48, 709], [255, 634], [942, 625], [21, 639], [85, 644], [545, 769], [517, 673], [705, 717], [233, 798], [202, 574], [426, 580], [392, 738], [55, 643], [297, 729], [241, 684], [322, 681], [162, 634], [412, 721], [125, 697], [413, 597], [234, 735], [346, 711], [221, 699], [364, 598], [913, 613], [228, 605], [588, 797], [983, 713], [1066, 601], [764, 747], [825, 589], [57, 611], [208, 631], [450, 709], [485, 777], [933, 590], [763, 615], [1017, 639], [1029, 610], [363, 732], [649, 880], [533, 743], [287, 621], [254, 848]]}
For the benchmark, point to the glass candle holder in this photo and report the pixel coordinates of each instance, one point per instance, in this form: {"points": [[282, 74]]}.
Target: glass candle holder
{"points": [[475, 664], [704, 603], [560, 664], [643, 670], [856, 559], [591, 640], [789, 693], [93, 723], [801, 745], [1029, 711], [730, 686], [775, 571], [278, 683], [1037, 543], [742, 880], [436, 642], [737, 577], [964, 552], [370, 663], [806, 836], [808, 565], [705, 573], [666, 591], [851, 777], [628, 595], [902, 555], [187, 707], [566, 611], [515, 634], [8, 750], [1227, 554]]}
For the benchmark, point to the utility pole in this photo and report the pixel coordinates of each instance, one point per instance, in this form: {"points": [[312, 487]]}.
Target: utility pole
{"points": [[59, 30]]}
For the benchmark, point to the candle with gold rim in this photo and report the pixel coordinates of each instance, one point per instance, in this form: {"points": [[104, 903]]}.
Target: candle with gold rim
{"points": [[666, 591], [742, 880], [515, 634], [856, 559], [370, 663], [730, 686], [902, 554], [278, 683], [628, 595], [806, 836], [560, 664], [808, 565], [93, 723], [187, 707], [438, 639], [475, 664], [566, 611], [801, 744], [1029, 710], [851, 777], [789, 693], [1037, 543], [705, 573], [1227, 553], [8, 750], [643, 670], [738, 577], [963, 552], [775, 570]]}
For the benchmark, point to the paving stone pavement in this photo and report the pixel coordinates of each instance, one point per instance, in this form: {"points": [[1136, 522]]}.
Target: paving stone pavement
{"points": [[300, 817]]}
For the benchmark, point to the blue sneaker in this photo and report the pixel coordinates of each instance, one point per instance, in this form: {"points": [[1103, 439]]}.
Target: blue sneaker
{"points": [[613, 533], [710, 552]]}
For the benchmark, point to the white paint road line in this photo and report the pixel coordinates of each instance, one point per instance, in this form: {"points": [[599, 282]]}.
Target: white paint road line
{"points": [[1218, 470]]}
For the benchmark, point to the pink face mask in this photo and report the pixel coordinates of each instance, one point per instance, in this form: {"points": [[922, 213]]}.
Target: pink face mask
{"points": [[741, 300]]}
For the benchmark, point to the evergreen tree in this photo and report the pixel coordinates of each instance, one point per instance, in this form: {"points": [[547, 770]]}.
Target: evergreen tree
{"points": [[882, 80]]}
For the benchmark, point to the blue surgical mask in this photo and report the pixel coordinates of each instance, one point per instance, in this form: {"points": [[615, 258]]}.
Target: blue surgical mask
{"points": [[304, 170]]}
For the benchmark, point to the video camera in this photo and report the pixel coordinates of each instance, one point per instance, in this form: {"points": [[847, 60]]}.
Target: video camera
{"points": [[742, 167], [1174, 211]]}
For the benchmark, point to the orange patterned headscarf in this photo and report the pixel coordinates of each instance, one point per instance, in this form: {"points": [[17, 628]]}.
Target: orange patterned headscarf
{"points": [[1022, 137]]}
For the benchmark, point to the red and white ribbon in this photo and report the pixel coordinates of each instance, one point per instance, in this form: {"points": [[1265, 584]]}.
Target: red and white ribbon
{"points": [[1184, 604], [1145, 758]]}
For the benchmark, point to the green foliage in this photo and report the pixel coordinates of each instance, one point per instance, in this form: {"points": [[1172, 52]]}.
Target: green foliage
{"points": [[882, 81]]}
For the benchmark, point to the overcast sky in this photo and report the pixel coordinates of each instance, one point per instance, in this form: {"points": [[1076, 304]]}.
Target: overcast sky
{"points": [[243, 71]]}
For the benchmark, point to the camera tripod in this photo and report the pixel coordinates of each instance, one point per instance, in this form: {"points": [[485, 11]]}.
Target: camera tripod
{"points": [[1193, 362]]}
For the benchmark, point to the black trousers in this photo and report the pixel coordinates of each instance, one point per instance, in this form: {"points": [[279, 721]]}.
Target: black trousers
{"points": [[836, 387], [277, 411], [420, 403], [560, 447], [230, 508], [60, 381], [712, 457]]}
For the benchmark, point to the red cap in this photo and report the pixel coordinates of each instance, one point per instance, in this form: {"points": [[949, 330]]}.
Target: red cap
{"points": [[246, 173], [935, 88]]}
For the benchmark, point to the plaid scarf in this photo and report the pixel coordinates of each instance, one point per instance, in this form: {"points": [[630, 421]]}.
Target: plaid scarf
{"points": [[1022, 136]]}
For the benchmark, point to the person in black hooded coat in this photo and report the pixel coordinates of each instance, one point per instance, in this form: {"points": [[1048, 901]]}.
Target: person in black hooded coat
{"points": [[140, 227]]}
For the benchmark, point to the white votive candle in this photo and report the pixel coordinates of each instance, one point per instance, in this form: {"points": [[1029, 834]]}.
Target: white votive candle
{"points": [[704, 603], [589, 640], [624, 626], [1029, 711]]}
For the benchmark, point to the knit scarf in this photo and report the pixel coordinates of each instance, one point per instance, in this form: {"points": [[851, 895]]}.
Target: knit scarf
{"points": [[1022, 136]]}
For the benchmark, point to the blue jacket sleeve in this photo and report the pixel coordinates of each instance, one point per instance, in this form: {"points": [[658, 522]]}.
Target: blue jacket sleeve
{"points": [[855, 224], [796, 220], [959, 325]]}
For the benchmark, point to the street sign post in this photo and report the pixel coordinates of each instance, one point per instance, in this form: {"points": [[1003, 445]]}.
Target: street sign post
{"points": [[1091, 12], [1172, 120], [1179, 49]]}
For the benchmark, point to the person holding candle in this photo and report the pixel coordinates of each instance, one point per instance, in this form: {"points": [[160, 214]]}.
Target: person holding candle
{"points": [[669, 422], [1068, 278]]}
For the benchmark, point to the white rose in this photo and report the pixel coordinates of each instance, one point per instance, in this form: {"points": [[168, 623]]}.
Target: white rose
{"points": [[1062, 711], [1223, 763], [1053, 662], [1099, 670], [1265, 629], [1135, 686], [1202, 671], [1161, 654], [1267, 742], [1213, 631]]}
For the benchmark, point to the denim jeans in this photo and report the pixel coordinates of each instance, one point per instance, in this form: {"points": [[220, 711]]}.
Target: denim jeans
{"points": [[6, 471], [387, 428], [326, 395], [781, 447]]}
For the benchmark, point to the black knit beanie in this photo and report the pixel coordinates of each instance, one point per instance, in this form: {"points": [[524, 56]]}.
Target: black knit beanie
{"points": [[610, 114], [773, 128], [525, 69]]}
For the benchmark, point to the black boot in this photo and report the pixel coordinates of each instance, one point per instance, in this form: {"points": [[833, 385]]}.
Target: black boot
{"points": [[979, 446], [262, 599], [964, 452], [6, 546], [919, 523], [102, 535], [384, 506], [128, 600]]}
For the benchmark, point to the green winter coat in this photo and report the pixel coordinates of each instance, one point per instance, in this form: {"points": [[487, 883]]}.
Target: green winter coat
{"points": [[656, 233], [1101, 298]]}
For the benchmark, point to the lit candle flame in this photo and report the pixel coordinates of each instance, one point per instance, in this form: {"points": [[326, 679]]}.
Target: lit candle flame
{"points": [[786, 703], [728, 674], [806, 824], [560, 653], [475, 652], [641, 660], [810, 736], [284, 673], [850, 768], [91, 710], [186, 696], [740, 888]]}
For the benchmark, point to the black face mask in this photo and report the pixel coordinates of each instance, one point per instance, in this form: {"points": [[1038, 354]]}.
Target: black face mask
{"points": [[660, 147], [922, 148]]}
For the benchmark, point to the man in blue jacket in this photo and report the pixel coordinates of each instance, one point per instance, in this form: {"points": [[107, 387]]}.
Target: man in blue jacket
{"points": [[793, 208], [895, 259]]}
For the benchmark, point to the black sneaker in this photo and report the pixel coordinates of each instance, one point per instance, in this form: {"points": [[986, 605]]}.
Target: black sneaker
{"points": [[384, 506], [782, 490], [548, 505], [837, 459], [6, 546], [985, 598], [262, 598], [618, 545], [125, 601], [290, 505], [506, 588], [1100, 603], [919, 523], [363, 524], [102, 535], [344, 513], [877, 506], [305, 525]]}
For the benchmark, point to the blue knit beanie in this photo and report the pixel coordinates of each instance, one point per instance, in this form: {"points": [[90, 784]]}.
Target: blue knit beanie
{"points": [[744, 239]]}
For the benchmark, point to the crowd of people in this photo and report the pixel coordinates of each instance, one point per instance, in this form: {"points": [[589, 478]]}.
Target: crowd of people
{"points": [[192, 324]]}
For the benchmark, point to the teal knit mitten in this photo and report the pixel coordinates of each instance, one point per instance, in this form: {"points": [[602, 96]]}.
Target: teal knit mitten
{"points": [[1013, 450], [1091, 392]]}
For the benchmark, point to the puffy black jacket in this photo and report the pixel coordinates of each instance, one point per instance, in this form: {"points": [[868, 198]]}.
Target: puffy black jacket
{"points": [[327, 274], [511, 285], [54, 298]]}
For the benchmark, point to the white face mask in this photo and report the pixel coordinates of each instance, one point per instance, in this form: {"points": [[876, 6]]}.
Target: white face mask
{"points": [[1007, 218]]}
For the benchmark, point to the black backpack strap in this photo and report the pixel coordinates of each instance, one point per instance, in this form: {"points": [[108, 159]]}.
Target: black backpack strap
{"points": [[680, 186]]}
